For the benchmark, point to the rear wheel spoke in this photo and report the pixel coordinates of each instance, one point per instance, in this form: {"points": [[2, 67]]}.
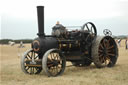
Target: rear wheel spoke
{"points": [[110, 47], [101, 46], [100, 50], [111, 54]]}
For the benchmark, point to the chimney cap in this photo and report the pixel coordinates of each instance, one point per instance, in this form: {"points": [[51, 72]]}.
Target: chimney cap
{"points": [[40, 6]]}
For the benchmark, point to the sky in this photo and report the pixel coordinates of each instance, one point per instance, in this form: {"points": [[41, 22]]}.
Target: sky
{"points": [[18, 18]]}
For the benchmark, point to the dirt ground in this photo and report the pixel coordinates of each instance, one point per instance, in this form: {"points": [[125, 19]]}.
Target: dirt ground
{"points": [[11, 74]]}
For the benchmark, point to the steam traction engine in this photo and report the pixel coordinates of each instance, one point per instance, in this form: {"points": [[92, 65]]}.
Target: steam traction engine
{"points": [[81, 47]]}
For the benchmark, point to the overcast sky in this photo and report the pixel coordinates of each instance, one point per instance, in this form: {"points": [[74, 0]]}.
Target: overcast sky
{"points": [[19, 17]]}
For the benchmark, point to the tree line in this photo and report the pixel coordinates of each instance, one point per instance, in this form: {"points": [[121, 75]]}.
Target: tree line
{"points": [[5, 41]]}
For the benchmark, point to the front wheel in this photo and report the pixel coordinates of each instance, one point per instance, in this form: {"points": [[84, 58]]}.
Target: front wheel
{"points": [[28, 65], [53, 62]]}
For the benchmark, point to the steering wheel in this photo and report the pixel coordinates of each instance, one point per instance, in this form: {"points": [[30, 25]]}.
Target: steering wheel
{"points": [[107, 32], [91, 28]]}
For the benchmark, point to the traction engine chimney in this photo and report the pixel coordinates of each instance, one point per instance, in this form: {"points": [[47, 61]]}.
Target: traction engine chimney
{"points": [[40, 14]]}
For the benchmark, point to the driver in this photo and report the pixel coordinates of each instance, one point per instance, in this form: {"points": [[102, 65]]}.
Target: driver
{"points": [[58, 29]]}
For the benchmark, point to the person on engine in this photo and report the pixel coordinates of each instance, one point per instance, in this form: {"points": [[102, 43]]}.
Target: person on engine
{"points": [[58, 30]]}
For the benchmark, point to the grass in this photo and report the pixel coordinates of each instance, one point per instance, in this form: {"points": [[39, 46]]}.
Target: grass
{"points": [[11, 74]]}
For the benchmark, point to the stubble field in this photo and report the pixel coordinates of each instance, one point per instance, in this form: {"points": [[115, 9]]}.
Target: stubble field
{"points": [[11, 74]]}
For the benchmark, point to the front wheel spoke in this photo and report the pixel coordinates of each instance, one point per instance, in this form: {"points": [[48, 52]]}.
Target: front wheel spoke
{"points": [[57, 56], [54, 69], [31, 54], [27, 58], [27, 68], [49, 60], [49, 65], [57, 69], [36, 68], [52, 57], [33, 70], [30, 70], [36, 57]]}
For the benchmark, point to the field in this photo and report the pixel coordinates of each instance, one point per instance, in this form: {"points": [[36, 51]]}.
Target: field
{"points": [[11, 74]]}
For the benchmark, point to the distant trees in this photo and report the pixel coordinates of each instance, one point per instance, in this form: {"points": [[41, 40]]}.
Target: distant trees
{"points": [[120, 37], [5, 41]]}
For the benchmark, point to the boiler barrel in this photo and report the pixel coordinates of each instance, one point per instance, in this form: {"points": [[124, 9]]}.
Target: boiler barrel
{"points": [[41, 45]]}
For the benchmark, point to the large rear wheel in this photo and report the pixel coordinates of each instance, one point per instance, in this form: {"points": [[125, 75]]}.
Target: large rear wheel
{"points": [[104, 51]]}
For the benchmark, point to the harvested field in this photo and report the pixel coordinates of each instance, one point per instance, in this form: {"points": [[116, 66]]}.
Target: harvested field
{"points": [[11, 74]]}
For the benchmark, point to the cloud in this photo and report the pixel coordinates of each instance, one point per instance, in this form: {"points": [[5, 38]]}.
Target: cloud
{"points": [[21, 15], [64, 8]]}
